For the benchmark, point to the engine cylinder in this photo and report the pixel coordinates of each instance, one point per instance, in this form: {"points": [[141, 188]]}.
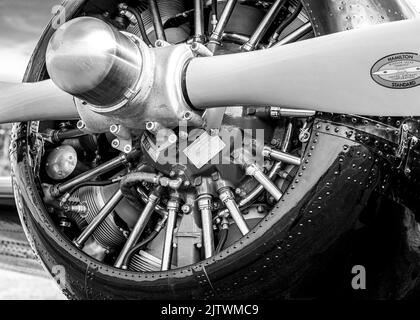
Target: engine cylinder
{"points": [[93, 61]]}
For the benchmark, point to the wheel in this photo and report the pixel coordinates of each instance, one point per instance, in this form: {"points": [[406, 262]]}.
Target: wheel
{"points": [[289, 240]]}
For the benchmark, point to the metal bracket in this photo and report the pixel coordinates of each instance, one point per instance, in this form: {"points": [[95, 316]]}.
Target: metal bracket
{"points": [[405, 149], [123, 140], [304, 133], [404, 140]]}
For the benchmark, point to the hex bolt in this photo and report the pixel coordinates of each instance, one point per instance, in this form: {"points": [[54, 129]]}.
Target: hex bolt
{"points": [[81, 125], [186, 208], [128, 148], [114, 129], [152, 126], [201, 50], [183, 135], [187, 115], [115, 143], [172, 139]]}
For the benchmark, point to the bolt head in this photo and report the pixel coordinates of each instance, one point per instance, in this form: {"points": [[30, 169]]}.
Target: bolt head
{"points": [[159, 43], [172, 138], [186, 208], [151, 126], [81, 125], [114, 128], [115, 143], [187, 115], [128, 149]]}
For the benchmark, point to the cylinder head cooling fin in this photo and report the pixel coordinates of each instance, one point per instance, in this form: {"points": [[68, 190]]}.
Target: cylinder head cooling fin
{"points": [[145, 262], [109, 234]]}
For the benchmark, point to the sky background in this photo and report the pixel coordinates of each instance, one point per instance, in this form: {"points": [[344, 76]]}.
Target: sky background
{"points": [[21, 24]]}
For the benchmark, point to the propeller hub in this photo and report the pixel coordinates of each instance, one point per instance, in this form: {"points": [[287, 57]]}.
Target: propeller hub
{"points": [[117, 78], [93, 61]]}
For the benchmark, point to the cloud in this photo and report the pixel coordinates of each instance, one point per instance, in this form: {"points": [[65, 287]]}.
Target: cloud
{"points": [[21, 24], [14, 60], [416, 3]]}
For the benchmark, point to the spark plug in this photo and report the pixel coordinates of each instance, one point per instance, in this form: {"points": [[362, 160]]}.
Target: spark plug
{"points": [[228, 198], [254, 171], [281, 156], [173, 209], [205, 204]]}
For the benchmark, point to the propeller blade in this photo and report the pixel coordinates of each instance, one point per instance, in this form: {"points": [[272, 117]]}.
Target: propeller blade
{"points": [[35, 101], [344, 72]]}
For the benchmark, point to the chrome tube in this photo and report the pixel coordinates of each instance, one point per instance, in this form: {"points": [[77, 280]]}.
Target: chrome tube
{"points": [[235, 37], [217, 33], [156, 179], [199, 32], [254, 171], [201, 50], [281, 156], [228, 198], [139, 226], [157, 20], [278, 112], [295, 35], [288, 136], [173, 208], [103, 213], [145, 198], [205, 206], [263, 26], [275, 37], [273, 172], [61, 188]]}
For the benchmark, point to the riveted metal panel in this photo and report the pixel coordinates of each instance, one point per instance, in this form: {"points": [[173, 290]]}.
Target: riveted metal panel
{"points": [[330, 16]]}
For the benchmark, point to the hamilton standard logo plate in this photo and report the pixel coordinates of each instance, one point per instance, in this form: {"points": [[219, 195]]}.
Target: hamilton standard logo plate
{"points": [[398, 71]]}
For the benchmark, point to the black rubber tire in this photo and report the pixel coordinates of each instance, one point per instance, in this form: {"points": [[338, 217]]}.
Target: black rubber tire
{"points": [[294, 241]]}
